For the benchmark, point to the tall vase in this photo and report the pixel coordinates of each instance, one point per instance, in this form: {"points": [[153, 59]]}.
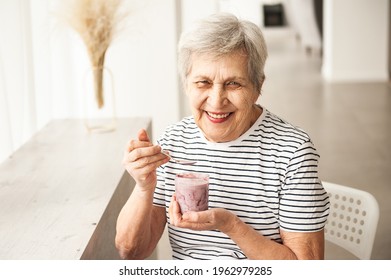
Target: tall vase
{"points": [[99, 100]]}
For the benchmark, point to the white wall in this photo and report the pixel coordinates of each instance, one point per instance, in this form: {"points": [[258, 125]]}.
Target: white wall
{"points": [[252, 10], [42, 63], [17, 98], [355, 40], [303, 20], [142, 59]]}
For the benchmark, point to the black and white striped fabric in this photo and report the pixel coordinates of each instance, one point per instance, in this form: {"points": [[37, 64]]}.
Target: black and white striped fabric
{"points": [[268, 177]]}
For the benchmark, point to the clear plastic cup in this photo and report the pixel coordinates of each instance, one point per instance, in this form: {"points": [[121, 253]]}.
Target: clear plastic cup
{"points": [[192, 191]]}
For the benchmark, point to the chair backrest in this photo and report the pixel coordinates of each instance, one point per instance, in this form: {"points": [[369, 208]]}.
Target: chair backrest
{"points": [[353, 219]]}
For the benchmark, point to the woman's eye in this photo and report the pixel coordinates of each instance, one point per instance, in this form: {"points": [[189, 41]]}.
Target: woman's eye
{"points": [[202, 84], [233, 85]]}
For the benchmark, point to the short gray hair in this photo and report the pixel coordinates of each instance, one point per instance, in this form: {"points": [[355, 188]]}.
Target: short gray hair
{"points": [[221, 34]]}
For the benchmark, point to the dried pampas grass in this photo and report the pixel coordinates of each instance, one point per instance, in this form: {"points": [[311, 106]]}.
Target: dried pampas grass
{"points": [[96, 21]]}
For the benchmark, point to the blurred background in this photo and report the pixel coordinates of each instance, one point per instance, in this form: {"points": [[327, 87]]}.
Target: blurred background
{"points": [[328, 72]]}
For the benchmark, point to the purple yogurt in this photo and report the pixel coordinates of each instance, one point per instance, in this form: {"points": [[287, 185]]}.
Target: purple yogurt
{"points": [[192, 191]]}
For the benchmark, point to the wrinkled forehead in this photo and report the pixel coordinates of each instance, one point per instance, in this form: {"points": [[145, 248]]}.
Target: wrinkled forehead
{"points": [[213, 57], [218, 53]]}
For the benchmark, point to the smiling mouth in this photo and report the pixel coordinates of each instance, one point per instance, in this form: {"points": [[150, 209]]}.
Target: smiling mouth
{"points": [[218, 117]]}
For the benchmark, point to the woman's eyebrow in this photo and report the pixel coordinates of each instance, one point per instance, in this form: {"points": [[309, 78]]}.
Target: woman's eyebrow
{"points": [[231, 78], [237, 78]]}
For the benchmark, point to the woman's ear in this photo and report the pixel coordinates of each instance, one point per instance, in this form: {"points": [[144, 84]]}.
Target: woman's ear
{"points": [[261, 84], [262, 80]]}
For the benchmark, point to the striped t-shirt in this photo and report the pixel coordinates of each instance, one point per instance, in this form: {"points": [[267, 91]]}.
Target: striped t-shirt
{"points": [[268, 177]]}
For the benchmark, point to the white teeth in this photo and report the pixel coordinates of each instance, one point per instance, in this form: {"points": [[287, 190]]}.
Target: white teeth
{"points": [[218, 116]]}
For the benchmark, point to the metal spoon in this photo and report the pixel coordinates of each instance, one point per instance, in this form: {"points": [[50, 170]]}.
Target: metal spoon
{"points": [[180, 161]]}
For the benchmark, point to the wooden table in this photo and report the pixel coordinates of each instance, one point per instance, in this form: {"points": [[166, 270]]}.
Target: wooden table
{"points": [[61, 192]]}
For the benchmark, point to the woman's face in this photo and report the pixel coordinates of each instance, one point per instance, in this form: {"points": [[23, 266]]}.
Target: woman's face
{"points": [[222, 97]]}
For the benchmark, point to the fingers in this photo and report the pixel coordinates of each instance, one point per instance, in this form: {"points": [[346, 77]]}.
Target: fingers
{"points": [[142, 147], [142, 158], [143, 135], [142, 141], [193, 217], [135, 144], [190, 220], [202, 217], [143, 161], [146, 154], [174, 212], [212, 219]]}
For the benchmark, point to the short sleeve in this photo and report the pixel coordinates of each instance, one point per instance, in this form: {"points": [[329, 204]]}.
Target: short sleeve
{"points": [[304, 203]]}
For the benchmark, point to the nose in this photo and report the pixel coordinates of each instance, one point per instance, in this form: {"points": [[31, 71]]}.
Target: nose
{"points": [[217, 97]]}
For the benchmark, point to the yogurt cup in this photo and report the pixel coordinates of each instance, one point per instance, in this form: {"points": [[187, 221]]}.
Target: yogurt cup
{"points": [[192, 191]]}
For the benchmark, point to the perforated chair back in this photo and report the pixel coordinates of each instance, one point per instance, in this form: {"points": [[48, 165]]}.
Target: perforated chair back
{"points": [[353, 219]]}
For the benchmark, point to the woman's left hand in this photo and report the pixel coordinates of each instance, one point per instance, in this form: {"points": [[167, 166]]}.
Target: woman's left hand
{"points": [[216, 218]]}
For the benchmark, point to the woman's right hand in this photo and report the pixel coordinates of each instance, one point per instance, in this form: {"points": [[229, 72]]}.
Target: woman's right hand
{"points": [[141, 159]]}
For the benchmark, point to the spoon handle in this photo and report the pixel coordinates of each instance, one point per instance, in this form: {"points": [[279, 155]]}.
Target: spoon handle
{"points": [[185, 162], [165, 153]]}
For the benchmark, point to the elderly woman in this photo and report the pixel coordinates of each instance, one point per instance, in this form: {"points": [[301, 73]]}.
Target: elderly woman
{"points": [[265, 198]]}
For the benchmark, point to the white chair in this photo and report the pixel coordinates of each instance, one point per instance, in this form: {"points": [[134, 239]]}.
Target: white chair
{"points": [[353, 219]]}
